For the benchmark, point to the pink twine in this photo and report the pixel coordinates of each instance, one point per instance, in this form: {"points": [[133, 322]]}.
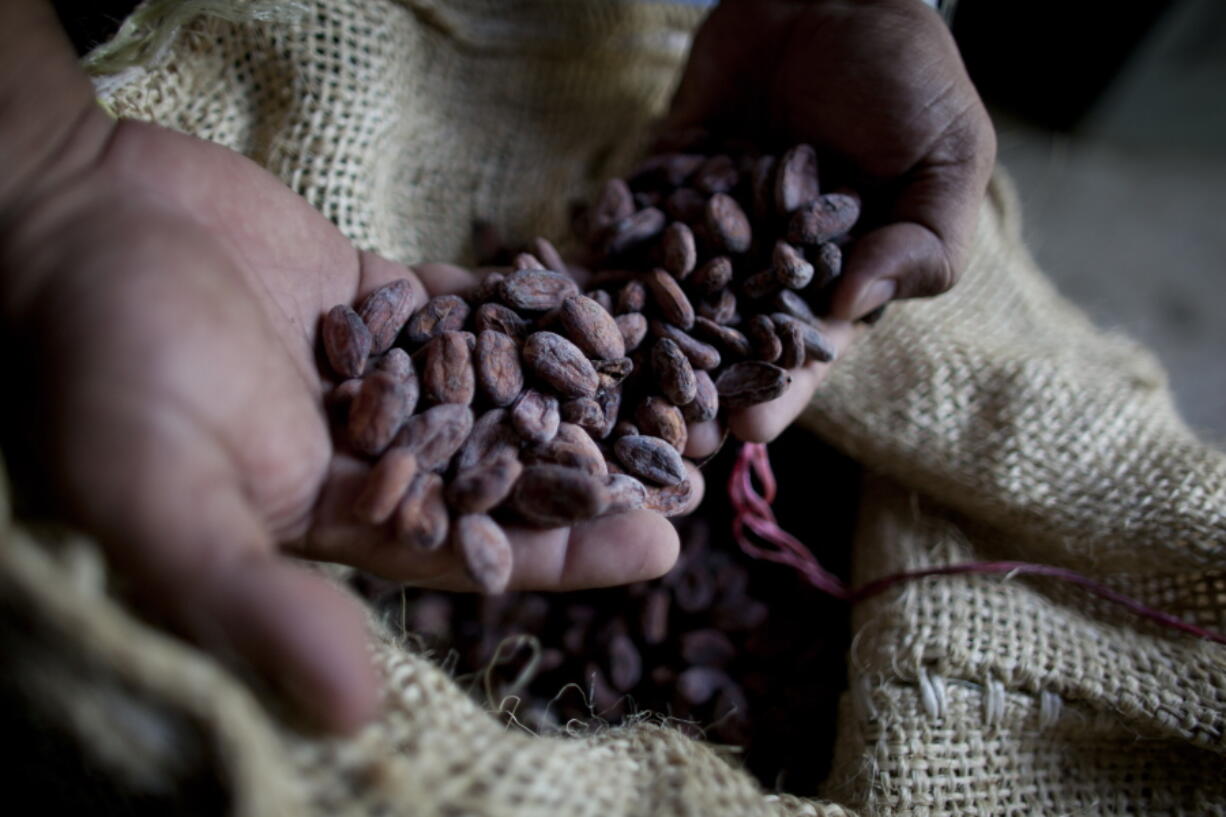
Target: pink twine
{"points": [[752, 510]]}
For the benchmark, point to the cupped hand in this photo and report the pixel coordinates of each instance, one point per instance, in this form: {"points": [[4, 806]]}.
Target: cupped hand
{"points": [[878, 87], [165, 300]]}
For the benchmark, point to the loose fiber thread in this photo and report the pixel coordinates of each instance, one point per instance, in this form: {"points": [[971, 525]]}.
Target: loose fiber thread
{"points": [[752, 511]]}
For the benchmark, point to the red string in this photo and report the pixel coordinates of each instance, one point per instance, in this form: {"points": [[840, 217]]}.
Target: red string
{"points": [[752, 510]]}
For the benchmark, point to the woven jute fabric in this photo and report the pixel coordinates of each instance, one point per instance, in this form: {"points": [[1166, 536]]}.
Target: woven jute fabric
{"points": [[995, 423]]}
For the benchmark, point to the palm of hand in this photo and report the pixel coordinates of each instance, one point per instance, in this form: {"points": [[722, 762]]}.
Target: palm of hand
{"points": [[178, 315]]}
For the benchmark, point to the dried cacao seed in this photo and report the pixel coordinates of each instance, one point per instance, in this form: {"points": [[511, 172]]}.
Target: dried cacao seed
{"points": [[715, 175], [436, 434], [442, 313], [347, 341], [750, 382], [486, 551], [831, 216], [727, 225], [633, 327], [559, 363], [701, 355], [669, 299], [535, 417], [813, 341], [631, 298], [705, 405], [586, 413], [501, 319], [762, 338], [421, 518], [796, 182], [827, 263], [791, 344], [398, 364], [713, 276], [790, 266], [385, 311], [734, 344], [674, 374], [722, 309], [377, 412], [658, 417], [548, 253], [498, 370], [571, 447], [678, 250], [625, 493], [614, 203], [483, 486], [385, 486], [591, 328], [554, 496], [536, 290], [634, 230], [651, 459], [491, 438], [447, 375]]}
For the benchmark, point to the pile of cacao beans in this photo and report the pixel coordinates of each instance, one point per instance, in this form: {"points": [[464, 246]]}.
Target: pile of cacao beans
{"points": [[537, 401], [738, 652]]}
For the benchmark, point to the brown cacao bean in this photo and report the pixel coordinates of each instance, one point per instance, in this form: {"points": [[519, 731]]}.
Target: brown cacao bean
{"points": [[385, 311], [791, 344], [678, 250], [713, 276], [486, 551], [705, 405], [536, 290], [651, 459], [715, 175], [634, 230], [625, 493], [733, 343], [501, 319], [535, 417], [571, 447], [750, 382], [347, 341], [633, 327], [669, 299], [442, 313], [483, 486], [553, 496], [658, 417], [673, 372], [447, 375], [762, 338], [830, 216], [796, 182], [726, 223], [701, 355], [378, 411], [814, 342], [491, 438], [632, 297], [790, 266], [827, 263], [591, 328], [421, 518], [436, 434], [543, 249], [498, 370], [385, 486], [586, 413], [614, 203], [559, 363]]}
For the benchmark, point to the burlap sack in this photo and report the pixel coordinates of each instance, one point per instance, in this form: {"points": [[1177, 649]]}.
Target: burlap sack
{"points": [[996, 423]]}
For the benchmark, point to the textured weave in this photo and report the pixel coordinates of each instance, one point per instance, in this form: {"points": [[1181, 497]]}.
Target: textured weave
{"points": [[998, 423]]}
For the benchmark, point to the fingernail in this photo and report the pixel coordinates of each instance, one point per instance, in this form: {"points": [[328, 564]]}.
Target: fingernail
{"points": [[876, 294]]}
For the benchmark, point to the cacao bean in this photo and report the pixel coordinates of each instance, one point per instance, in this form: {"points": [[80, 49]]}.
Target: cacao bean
{"points": [[671, 302], [535, 417], [378, 411], [442, 313], [591, 328], [651, 459], [750, 382], [485, 549], [673, 372], [421, 518], [347, 341], [385, 311], [436, 434], [447, 376], [559, 363], [554, 496], [498, 371]]}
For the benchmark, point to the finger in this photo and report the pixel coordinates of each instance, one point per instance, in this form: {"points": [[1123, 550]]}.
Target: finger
{"points": [[704, 439], [446, 279], [765, 421], [922, 250], [375, 271], [610, 550]]}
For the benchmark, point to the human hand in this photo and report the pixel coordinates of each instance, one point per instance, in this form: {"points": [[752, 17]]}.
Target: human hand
{"points": [[878, 87], [165, 296]]}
